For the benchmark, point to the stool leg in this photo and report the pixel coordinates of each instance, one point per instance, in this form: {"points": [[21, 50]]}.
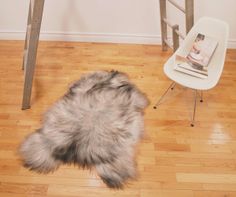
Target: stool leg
{"points": [[26, 45], [163, 24], [31, 51]]}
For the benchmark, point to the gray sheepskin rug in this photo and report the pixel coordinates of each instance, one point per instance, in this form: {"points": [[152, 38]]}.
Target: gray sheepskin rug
{"points": [[96, 124]]}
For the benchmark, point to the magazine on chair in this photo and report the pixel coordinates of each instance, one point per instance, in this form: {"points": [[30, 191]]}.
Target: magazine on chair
{"points": [[197, 60], [185, 66]]}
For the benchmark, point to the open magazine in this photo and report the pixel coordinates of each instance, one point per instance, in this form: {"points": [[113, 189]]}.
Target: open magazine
{"points": [[197, 60], [185, 66]]}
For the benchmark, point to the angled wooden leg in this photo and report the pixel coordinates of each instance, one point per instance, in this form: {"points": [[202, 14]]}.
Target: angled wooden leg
{"points": [[175, 37], [27, 36], [163, 24], [189, 14], [31, 53]]}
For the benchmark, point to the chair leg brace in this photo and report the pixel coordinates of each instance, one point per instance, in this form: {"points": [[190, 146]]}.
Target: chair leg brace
{"points": [[172, 85]]}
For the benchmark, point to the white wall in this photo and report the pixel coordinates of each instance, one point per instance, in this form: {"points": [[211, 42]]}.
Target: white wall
{"points": [[130, 21]]}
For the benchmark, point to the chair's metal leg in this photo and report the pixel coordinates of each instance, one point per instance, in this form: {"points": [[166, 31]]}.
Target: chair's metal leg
{"points": [[201, 100], [194, 109], [172, 88], [172, 85]]}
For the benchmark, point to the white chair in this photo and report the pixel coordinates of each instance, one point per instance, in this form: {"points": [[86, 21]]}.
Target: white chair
{"points": [[211, 27]]}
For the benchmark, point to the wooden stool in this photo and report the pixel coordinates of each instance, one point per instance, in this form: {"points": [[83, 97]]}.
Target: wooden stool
{"points": [[33, 31], [188, 10], [30, 48]]}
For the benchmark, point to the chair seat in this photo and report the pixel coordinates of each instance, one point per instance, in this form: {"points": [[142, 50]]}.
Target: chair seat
{"points": [[214, 28]]}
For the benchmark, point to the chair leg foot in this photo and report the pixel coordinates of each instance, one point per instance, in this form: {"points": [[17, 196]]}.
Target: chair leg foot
{"points": [[172, 88], [25, 107], [201, 100]]}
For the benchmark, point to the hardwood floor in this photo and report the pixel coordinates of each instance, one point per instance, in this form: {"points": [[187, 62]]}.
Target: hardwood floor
{"points": [[173, 159]]}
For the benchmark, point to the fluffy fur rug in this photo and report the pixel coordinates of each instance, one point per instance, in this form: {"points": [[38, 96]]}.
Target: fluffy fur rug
{"points": [[95, 124]]}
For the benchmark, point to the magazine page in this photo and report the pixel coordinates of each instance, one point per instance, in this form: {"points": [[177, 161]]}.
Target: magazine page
{"points": [[202, 50], [190, 72], [183, 65]]}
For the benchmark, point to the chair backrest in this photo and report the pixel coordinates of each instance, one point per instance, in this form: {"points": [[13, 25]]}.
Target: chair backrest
{"points": [[218, 30]]}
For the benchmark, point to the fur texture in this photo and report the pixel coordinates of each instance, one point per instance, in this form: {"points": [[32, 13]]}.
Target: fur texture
{"points": [[95, 124]]}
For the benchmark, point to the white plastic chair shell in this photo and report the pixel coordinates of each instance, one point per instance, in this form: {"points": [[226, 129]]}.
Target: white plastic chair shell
{"points": [[215, 28]]}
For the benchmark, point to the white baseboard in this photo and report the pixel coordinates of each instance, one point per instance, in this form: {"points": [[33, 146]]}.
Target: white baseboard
{"points": [[86, 37], [93, 37], [99, 37]]}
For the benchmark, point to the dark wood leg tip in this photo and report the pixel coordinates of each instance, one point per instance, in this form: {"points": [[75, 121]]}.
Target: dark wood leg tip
{"points": [[24, 108]]}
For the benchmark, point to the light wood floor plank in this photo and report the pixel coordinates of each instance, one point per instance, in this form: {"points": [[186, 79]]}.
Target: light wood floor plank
{"points": [[173, 159], [206, 178]]}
